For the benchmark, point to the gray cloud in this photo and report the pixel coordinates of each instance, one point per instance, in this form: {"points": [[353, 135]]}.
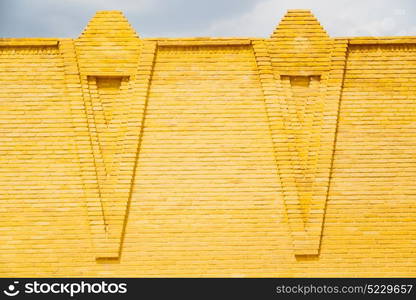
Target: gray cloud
{"points": [[178, 18]]}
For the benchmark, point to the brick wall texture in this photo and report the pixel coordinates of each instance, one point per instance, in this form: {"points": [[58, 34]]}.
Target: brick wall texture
{"points": [[293, 155]]}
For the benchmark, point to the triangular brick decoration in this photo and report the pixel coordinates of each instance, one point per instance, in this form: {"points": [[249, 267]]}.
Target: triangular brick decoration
{"points": [[107, 103], [302, 95], [110, 138], [111, 56], [303, 61], [108, 89]]}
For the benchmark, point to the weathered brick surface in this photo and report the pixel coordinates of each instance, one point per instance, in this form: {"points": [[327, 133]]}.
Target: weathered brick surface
{"points": [[293, 155]]}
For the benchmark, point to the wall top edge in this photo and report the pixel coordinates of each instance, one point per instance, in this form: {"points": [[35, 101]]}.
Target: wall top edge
{"points": [[35, 42], [202, 41]]}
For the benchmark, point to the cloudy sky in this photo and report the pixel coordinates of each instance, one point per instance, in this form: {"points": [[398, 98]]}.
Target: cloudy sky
{"points": [[181, 18]]}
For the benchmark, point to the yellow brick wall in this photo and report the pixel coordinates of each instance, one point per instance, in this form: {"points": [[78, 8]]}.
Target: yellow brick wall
{"points": [[287, 156], [39, 174]]}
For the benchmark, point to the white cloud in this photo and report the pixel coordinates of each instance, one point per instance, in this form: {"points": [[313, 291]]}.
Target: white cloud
{"points": [[339, 18], [260, 20], [131, 6]]}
